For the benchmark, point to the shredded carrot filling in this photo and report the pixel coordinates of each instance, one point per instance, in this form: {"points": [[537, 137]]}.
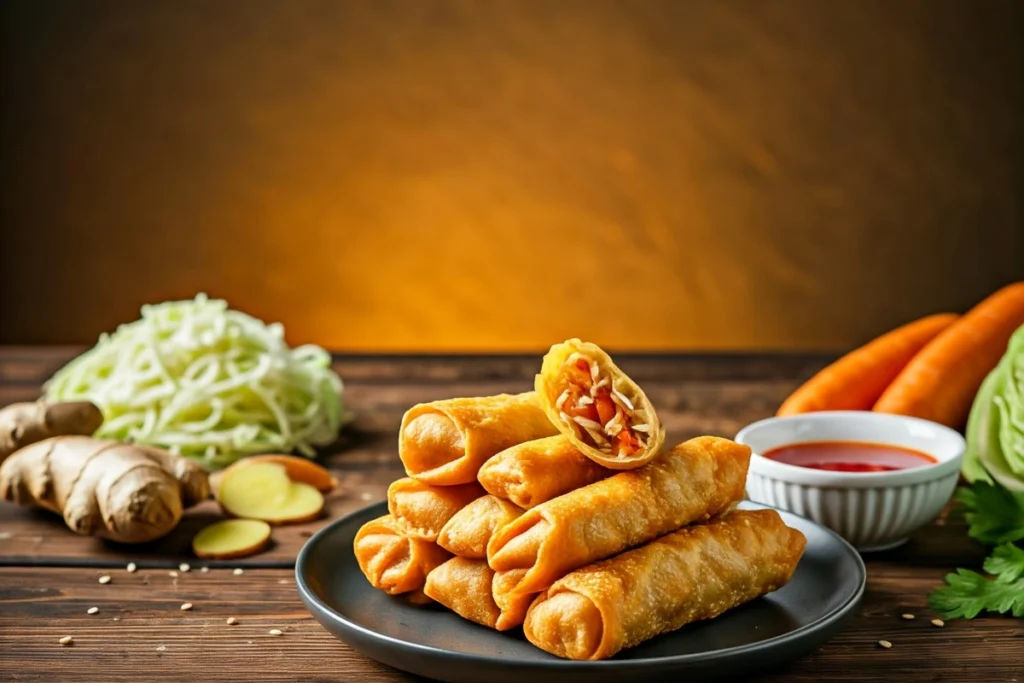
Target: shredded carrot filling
{"points": [[598, 406]]}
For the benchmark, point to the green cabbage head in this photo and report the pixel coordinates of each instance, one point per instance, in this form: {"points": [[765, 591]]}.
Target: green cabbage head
{"points": [[995, 429]]}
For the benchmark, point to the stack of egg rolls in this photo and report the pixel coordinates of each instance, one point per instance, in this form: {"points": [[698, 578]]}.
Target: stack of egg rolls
{"points": [[442, 446], [508, 517]]}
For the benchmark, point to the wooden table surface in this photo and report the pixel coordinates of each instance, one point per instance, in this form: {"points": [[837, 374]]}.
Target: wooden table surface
{"points": [[141, 634]]}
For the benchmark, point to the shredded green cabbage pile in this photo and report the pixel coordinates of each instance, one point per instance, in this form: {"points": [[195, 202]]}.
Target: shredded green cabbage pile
{"points": [[208, 382], [995, 429]]}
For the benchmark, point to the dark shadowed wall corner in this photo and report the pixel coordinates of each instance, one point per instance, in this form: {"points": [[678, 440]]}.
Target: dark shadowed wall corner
{"points": [[499, 175]]}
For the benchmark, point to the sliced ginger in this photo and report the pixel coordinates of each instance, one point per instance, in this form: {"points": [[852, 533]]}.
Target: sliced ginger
{"points": [[299, 469], [231, 538], [263, 490]]}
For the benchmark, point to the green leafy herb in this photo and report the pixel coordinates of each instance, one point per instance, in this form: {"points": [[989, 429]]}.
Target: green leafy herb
{"points": [[1006, 562], [995, 514], [967, 594]]}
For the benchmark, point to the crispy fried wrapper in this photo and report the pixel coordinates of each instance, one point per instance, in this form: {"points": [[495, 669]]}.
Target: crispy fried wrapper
{"points": [[693, 482], [513, 605], [534, 472], [605, 414], [417, 598], [693, 574], [466, 534], [445, 442], [463, 585], [421, 510], [390, 560]]}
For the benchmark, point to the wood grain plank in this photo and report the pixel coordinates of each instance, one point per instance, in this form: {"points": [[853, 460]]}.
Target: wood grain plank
{"points": [[38, 606]]}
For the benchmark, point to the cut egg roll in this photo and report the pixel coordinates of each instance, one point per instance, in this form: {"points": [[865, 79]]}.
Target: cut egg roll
{"points": [[393, 562], [463, 585], [693, 574], [445, 442], [534, 472], [692, 482], [605, 414], [468, 531], [421, 510]]}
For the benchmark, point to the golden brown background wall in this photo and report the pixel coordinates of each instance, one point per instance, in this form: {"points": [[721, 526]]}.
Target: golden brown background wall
{"points": [[499, 175]]}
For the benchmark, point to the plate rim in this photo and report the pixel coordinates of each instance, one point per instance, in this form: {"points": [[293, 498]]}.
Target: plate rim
{"points": [[788, 638]]}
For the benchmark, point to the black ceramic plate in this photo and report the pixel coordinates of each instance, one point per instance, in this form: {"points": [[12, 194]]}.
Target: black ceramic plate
{"points": [[430, 641]]}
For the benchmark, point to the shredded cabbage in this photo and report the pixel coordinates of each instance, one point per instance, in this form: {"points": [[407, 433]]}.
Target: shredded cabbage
{"points": [[205, 381]]}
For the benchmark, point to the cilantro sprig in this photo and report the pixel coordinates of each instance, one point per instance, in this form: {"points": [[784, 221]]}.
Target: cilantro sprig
{"points": [[995, 516]]}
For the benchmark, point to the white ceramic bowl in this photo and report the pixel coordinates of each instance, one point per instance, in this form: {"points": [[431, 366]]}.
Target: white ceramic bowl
{"points": [[871, 510]]}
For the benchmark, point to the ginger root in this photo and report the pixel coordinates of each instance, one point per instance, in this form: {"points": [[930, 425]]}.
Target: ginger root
{"points": [[118, 491], [231, 538], [22, 424], [263, 490]]}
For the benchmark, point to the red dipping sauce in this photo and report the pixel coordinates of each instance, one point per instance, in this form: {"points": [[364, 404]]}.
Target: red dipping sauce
{"points": [[850, 456]]}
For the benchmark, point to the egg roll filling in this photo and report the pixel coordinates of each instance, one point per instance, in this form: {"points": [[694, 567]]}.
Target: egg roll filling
{"points": [[598, 411]]}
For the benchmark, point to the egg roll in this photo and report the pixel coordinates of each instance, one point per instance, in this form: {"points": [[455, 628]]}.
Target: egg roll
{"points": [[468, 531], [417, 597], [693, 574], [445, 442], [694, 481], [534, 472], [393, 562], [421, 510], [605, 414], [463, 585], [513, 605]]}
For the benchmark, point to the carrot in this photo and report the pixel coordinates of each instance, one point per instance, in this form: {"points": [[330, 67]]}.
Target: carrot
{"points": [[605, 408], [855, 381], [940, 383]]}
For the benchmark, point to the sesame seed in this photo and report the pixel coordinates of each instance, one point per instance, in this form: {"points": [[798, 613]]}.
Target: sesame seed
{"points": [[173, 574], [161, 648], [366, 495], [132, 567], [204, 569], [65, 641], [938, 622], [104, 579], [908, 617], [275, 632], [237, 571], [92, 610], [185, 566], [284, 582], [885, 643], [231, 621], [117, 618], [186, 607]]}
